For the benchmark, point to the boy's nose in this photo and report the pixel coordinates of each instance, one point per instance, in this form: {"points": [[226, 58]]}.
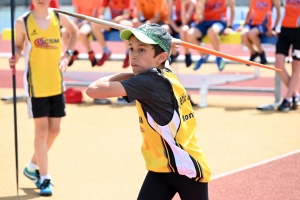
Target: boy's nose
{"points": [[132, 56]]}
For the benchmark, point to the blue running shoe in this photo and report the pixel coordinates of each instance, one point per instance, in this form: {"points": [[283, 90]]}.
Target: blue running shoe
{"points": [[200, 62], [33, 175], [221, 63], [46, 188]]}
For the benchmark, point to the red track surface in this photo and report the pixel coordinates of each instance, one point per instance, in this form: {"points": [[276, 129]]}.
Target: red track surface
{"points": [[277, 180]]}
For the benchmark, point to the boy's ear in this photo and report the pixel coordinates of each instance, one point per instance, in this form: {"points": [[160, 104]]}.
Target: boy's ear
{"points": [[163, 57]]}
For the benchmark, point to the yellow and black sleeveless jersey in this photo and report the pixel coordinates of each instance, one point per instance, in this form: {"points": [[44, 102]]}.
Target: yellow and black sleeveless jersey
{"points": [[173, 147], [42, 77]]}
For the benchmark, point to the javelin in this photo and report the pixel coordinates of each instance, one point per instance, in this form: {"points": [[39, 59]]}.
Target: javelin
{"points": [[12, 9], [183, 43]]}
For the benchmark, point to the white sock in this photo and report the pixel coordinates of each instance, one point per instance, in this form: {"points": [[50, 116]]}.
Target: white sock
{"points": [[47, 176], [32, 167]]}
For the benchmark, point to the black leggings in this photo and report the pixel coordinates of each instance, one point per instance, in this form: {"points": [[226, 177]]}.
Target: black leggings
{"points": [[163, 186]]}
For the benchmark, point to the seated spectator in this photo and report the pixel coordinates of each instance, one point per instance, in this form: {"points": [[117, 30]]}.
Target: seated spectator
{"points": [[184, 18], [151, 11], [259, 23], [89, 8], [121, 12], [212, 21]]}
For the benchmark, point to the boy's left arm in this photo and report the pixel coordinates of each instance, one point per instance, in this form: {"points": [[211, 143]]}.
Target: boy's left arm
{"points": [[200, 7], [108, 86], [73, 36], [278, 13], [271, 30], [186, 15], [232, 12]]}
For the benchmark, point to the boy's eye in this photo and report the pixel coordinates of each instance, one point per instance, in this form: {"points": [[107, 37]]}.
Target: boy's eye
{"points": [[140, 50]]}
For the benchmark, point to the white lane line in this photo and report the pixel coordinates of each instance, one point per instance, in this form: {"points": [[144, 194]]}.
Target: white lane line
{"points": [[255, 165]]}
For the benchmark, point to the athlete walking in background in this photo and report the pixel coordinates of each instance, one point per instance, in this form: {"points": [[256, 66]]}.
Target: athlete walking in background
{"points": [[38, 33]]}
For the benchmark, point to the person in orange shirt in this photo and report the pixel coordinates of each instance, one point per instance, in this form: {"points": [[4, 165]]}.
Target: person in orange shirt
{"points": [[259, 23], [211, 20], [181, 24], [122, 13], [151, 11], [289, 37], [89, 8]]}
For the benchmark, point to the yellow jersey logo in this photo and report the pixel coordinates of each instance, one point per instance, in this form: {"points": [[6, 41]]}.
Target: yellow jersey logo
{"points": [[46, 43]]}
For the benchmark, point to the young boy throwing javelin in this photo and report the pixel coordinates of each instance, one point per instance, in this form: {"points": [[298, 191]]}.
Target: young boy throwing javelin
{"points": [[174, 161], [38, 33]]}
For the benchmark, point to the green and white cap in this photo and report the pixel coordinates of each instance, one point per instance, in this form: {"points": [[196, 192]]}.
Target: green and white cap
{"points": [[150, 34]]}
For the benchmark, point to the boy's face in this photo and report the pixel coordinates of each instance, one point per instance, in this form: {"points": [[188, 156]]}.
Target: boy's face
{"points": [[141, 56], [41, 3]]}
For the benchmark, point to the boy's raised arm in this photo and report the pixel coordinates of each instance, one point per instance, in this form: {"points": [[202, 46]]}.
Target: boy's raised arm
{"points": [[108, 86]]}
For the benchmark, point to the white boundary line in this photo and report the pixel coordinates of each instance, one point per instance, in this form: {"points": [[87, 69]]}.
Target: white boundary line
{"points": [[255, 165]]}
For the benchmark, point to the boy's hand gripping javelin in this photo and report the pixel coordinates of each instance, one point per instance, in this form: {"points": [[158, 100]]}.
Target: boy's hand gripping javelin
{"points": [[178, 42]]}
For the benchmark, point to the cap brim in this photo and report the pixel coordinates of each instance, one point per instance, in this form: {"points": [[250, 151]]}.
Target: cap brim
{"points": [[126, 34]]}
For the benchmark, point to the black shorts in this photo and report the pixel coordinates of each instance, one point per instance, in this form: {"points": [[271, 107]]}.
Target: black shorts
{"points": [[163, 186], [289, 37], [53, 106]]}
